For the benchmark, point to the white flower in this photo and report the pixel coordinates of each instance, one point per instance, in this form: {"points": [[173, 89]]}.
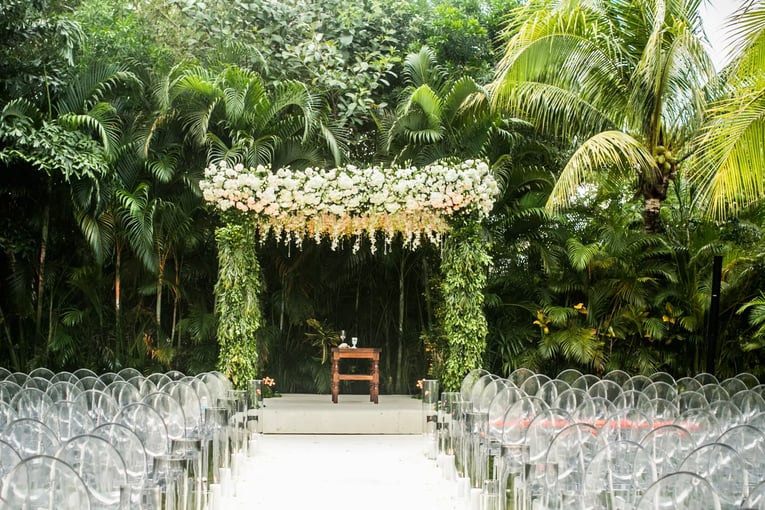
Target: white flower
{"points": [[344, 182], [414, 202]]}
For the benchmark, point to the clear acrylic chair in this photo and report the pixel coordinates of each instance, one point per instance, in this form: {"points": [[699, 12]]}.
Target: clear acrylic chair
{"points": [[569, 375], [518, 417], [41, 383], [128, 373], [691, 400], [626, 424], [569, 400], [533, 384], [109, 377], [99, 465], [705, 378], [171, 412], [637, 382], [31, 403], [550, 391], [44, 482], [749, 442], [495, 385], [758, 421], [620, 377], [143, 385], [664, 411], [148, 425], [98, 404], [687, 384], [702, 424], [733, 385], [571, 451], [217, 385], [605, 388], [617, 476], [62, 390], [727, 413], [18, 377], [756, 499], [67, 420], [9, 457], [663, 377], [477, 390], [124, 393], [749, 402], [632, 399], [723, 468], [81, 373], [713, 392], [130, 448], [63, 376], [661, 389], [585, 381], [519, 375], [187, 397], [90, 382], [668, 446], [159, 379], [594, 411], [750, 380], [7, 415], [31, 437], [680, 491], [541, 431]]}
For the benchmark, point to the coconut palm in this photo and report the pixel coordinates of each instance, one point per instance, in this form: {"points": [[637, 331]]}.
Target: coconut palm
{"points": [[623, 80], [731, 168]]}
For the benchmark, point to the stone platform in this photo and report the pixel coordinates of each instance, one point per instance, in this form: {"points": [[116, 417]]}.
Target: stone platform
{"points": [[353, 414]]}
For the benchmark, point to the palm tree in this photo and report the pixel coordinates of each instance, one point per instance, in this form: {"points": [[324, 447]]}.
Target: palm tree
{"points": [[623, 80], [70, 140], [731, 163], [436, 117], [240, 120]]}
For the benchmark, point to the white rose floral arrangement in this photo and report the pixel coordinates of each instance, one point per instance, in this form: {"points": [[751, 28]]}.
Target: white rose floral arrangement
{"points": [[351, 202]]}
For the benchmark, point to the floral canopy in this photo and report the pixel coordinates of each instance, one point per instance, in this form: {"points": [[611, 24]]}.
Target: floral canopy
{"points": [[351, 201], [354, 204]]}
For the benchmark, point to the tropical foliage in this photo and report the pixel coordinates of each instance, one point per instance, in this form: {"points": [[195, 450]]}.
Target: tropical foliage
{"points": [[624, 166], [626, 80]]}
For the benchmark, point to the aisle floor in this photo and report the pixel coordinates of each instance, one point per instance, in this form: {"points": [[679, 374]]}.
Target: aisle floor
{"points": [[341, 472]]}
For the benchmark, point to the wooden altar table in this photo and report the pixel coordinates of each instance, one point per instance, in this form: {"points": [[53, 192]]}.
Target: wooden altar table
{"points": [[370, 353]]}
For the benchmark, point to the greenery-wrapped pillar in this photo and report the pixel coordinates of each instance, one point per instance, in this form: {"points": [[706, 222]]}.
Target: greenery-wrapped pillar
{"points": [[236, 302], [464, 264]]}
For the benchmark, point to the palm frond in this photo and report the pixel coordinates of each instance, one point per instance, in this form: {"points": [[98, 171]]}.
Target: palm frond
{"points": [[609, 151], [422, 68]]}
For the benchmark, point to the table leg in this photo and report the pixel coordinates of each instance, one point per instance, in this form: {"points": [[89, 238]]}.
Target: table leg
{"points": [[335, 384], [374, 390]]}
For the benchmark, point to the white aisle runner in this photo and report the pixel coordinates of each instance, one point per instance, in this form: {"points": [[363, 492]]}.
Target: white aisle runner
{"points": [[341, 472]]}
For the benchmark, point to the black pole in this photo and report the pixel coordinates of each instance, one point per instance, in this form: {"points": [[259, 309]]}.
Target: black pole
{"points": [[714, 314]]}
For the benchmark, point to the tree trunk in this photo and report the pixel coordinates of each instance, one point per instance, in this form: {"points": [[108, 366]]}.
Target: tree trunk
{"points": [[176, 301], [11, 347], [401, 307], [651, 218], [41, 259], [117, 301], [158, 306]]}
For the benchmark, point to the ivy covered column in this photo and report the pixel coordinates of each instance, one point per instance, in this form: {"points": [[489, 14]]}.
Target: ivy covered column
{"points": [[464, 265], [236, 302]]}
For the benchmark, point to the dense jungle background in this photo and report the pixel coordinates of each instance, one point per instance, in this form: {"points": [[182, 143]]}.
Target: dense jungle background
{"points": [[111, 109]]}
